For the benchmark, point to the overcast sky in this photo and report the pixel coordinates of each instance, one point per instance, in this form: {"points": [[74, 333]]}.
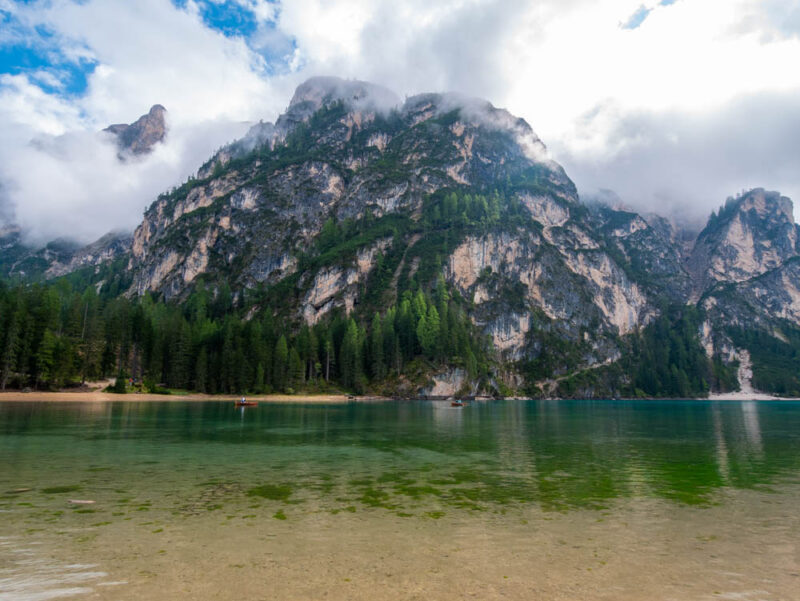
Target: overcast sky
{"points": [[673, 104]]}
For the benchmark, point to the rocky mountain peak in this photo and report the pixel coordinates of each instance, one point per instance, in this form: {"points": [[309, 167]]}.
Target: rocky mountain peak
{"points": [[141, 136], [757, 207], [317, 92], [750, 235], [354, 204], [476, 112]]}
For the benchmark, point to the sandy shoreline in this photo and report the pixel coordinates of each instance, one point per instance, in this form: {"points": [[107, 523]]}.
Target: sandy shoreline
{"points": [[748, 396], [99, 396]]}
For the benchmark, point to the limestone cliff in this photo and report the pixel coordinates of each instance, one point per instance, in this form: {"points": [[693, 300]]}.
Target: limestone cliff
{"points": [[142, 135], [353, 199], [58, 257], [750, 236]]}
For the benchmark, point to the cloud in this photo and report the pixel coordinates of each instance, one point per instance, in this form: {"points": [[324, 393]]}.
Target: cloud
{"points": [[69, 181], [685, 164], [75, 185], [664, 96], [771, 20]]}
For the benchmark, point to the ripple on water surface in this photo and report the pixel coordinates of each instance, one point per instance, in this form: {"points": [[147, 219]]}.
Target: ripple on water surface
{"points": [[26, 574], [199, 481]]}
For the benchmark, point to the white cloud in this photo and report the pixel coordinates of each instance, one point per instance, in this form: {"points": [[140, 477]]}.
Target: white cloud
{"points": [[684, 164], [26, 109], [146, 52], [74, 184], [604, 98], [153, 52], [579, 78]]}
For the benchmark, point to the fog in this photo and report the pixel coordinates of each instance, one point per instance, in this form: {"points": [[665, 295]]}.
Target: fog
{"points": [[75, 184], [686, 164], [671, 105]]}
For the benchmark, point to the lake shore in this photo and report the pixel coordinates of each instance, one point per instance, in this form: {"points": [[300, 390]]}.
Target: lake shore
{"points": [[101, 397], [748, 396]]}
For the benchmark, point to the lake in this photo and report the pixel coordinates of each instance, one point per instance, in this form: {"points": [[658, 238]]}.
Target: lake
{"points": [[410, 500]]}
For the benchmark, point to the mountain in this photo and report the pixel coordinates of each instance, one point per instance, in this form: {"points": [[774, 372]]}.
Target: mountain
{"points": [[63, 256], [440, 184], [141, 136], [433, 245], [749, 237], [21, 259]]}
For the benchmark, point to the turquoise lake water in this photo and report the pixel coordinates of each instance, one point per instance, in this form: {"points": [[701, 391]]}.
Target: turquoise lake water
{"points": [[162, 465]]}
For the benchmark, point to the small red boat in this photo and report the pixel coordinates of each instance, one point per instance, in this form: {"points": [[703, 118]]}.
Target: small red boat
{"points": [[457, 404], [246, 404]]}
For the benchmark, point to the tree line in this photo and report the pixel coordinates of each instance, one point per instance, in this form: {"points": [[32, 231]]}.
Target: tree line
{"points": [[53, 336]]}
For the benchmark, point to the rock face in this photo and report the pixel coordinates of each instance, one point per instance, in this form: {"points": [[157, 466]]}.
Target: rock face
{"points": [[562, 275], [351, 197], [447, 384], [11, 248], [108, 248], [141, 136], [746, 270], [751, 235], [58, 257], [339, 152]]}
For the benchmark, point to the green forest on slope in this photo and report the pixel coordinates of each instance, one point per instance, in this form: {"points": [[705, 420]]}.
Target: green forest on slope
{"points": [[64, 333], [407, 325], [56, 335], [665, 359], [776, 361]]}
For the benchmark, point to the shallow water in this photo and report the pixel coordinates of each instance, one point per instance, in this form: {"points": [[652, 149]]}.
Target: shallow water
{"points": [[528, 500]]}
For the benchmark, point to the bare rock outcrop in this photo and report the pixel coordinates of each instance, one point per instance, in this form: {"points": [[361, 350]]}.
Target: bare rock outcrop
{"points": [[143, 134]]}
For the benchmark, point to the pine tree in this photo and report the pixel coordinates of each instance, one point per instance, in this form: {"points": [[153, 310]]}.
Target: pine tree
{"points": [[281, 363], [229, 368], [329, 358], [259, 385], [377, 365], [406, 330], [8, 359], [201, 371], [350, 361], [428, 332], [45, 358], [471, 364], [296, 368]]}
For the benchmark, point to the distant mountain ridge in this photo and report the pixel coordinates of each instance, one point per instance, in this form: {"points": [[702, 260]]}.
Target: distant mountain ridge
{"points": [[352, 200]]}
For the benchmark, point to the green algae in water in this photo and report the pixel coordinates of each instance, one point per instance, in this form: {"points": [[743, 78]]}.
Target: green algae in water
{"points": [[404, 457], [273, 492], [417, 491], [376, 497], [56, 490]]}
